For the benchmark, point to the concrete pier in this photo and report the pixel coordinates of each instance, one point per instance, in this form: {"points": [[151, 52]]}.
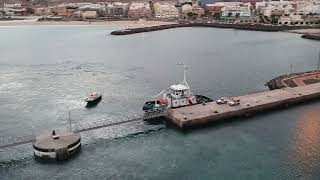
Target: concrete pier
{"points": [[200, 114]]}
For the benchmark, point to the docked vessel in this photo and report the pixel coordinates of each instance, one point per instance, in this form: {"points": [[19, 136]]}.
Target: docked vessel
{"points": [[178, 95], [93, 98]]}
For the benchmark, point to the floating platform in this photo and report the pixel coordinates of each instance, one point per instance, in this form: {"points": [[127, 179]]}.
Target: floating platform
{"points": [[57, 145], [200, 114]]}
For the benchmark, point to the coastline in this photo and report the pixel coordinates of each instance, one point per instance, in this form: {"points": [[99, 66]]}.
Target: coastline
{"points": [[138, 26], [120, 24]]}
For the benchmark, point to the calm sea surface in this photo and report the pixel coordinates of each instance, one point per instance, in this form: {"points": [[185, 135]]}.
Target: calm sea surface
{"points": [[45, 71]]}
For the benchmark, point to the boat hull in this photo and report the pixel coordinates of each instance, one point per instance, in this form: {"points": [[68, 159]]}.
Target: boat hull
{"points": [[149, 105], [94, 101]]}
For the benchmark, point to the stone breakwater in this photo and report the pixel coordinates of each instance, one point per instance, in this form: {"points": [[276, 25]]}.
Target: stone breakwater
{"points": [[311, 36], [267, 28], [278, 82]]}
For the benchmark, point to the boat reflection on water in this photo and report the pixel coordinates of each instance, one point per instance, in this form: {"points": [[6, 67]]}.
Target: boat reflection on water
{"points": [[304, 152]]}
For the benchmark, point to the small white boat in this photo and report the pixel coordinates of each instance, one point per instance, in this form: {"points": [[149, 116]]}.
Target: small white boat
{"points": [[93, 98]]}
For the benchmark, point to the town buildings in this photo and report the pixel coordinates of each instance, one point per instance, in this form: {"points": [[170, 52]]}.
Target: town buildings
{"points": [[117, 9], [185, 9], [165, 11], [139, 10], [283, 12]]}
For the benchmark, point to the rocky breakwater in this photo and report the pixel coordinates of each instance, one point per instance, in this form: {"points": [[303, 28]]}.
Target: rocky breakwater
{"points": [[294, 80], [311, 36], [252, 27], [144, 29]]}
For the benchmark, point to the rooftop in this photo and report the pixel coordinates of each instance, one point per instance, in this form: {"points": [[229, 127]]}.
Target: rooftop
{"points": [[178, 87]]}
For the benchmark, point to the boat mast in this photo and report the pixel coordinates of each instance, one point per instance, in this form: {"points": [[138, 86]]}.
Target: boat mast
{"points": [[319, 61], [318, 65], [184, 74], [185, 68]]}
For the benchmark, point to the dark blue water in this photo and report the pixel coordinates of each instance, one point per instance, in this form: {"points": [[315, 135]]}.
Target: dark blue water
{"points": [[45, 71]]}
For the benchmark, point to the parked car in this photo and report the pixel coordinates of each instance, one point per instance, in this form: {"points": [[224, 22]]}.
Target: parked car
{"points": [[221, 101], [234, 102]]}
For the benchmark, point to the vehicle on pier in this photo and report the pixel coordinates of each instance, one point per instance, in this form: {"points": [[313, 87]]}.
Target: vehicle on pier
{"points": [[234, 102], [178, 95], [222, 100]]}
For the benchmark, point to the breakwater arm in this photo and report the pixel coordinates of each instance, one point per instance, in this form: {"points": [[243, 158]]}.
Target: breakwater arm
{"points": [[255, 27], [288, 80], [311, 36]]}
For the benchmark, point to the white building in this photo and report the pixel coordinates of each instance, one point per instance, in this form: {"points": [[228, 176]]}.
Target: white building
{"points": [[297, 20], [165, 10], [184, 1], [236, 8], [268, 8], [260, 6], [117, 9], [96, 7], [292, 20], [89, 14], [139, 10], [310, 9], [186, 8], [308, 6]]}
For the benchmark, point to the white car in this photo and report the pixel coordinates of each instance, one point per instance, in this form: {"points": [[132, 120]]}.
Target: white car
{"points": [[221, 101], [234, 102]]}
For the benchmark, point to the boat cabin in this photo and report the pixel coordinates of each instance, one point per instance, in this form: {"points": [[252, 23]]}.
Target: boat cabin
{"points": [[179, 91], [178, 95]]}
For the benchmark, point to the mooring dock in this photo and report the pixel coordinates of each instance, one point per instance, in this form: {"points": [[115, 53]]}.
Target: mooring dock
{"points": [[6, 142], [200, 114]]}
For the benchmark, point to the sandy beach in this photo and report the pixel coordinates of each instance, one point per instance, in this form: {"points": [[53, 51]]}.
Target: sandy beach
{"points": [[120, 24]]}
